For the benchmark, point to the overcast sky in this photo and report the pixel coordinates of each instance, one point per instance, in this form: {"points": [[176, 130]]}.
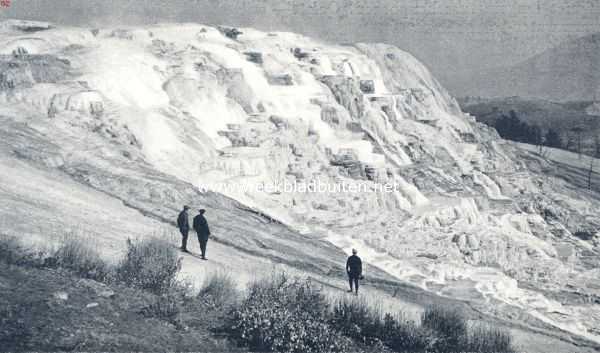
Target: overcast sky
{"points": [[448, 35]]}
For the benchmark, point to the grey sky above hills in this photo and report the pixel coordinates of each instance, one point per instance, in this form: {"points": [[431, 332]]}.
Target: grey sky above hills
{"points": [[567, 72], [453, 37]]}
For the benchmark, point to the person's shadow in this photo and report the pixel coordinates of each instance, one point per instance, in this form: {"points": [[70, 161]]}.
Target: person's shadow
{"points": [[198, 256], [189, 253]]}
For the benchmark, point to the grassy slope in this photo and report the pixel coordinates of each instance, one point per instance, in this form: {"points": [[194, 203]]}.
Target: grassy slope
{"points": [[34, 319]]}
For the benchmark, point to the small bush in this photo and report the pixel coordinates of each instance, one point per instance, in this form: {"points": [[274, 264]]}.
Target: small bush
{"points": [[150, 264], [402, 335], [285, 315], [356, 319], [449, 324], [219, 290], [78, 256], [484, 338]]}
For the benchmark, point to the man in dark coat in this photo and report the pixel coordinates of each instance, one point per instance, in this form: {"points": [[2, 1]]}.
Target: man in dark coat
{"points": [[184, 227], [354, 270], [201, 228]]}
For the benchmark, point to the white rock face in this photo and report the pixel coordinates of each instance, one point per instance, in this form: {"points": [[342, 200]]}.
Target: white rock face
{"points": [[244, 116]]}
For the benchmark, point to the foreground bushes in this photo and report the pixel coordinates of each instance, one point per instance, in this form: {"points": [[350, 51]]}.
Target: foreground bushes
{"points": [[282, 315], [454, 334], [276, 314], [151, 264], [355, 318], [485, 338], [449, 324], [286, 315], [72, 253]]}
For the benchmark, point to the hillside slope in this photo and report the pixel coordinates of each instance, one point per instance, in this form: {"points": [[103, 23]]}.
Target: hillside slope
{"points": [[567, 72], [563, 118], [109, 131]]}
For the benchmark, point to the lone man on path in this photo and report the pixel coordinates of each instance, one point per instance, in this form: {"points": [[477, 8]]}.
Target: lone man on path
{"points": [[184, 227], [354, 270], [201, 228]]}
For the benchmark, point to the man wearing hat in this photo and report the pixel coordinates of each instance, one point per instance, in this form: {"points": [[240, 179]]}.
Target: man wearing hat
{"points": [[354, 270], [184, 227], [201, 227]]}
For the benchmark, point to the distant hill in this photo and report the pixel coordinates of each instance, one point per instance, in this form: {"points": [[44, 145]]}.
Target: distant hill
{"points": [[567, 72], [539, 112], [560, 117]]}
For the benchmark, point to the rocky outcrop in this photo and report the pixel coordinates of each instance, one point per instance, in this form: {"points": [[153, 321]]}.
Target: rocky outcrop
{"points": [[25, 70], [280, 80], [347, 92], [230, 32], [367, 86], [255, 57], [242, 138], [278, 121], [85, 101], [237, 88], [122, 33], [28, 26], [348, 160]]}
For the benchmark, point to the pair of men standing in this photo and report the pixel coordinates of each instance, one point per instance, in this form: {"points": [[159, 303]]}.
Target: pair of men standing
{"points": [[199, 224]]}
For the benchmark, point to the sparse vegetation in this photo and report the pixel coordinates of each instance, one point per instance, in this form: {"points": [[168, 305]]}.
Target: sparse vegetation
{"points": [[77, 255], [278, 313], [219, 290], [72, 253], [485, 338]]}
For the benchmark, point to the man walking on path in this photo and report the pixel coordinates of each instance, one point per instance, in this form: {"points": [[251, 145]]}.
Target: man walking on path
{"points": [[354, 270], [201, 228], [184, 227]]}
